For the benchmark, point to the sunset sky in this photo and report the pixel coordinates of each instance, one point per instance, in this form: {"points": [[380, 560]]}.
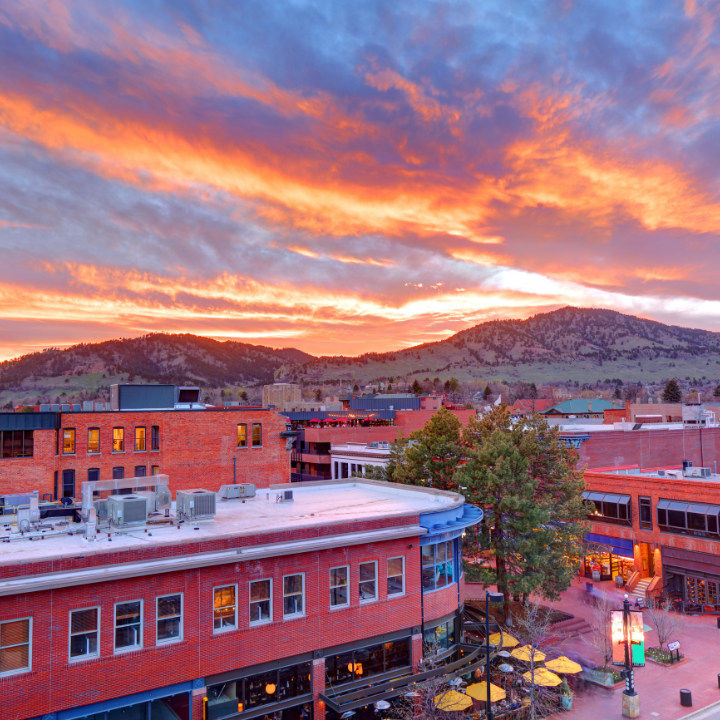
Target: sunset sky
{"points": [[351, 176]]}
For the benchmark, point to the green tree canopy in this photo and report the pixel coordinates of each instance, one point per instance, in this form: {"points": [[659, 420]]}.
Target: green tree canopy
{"points": [[672, 392], [716, 392], [487, 392], [356, 388], [397, 458], [416, 387]]}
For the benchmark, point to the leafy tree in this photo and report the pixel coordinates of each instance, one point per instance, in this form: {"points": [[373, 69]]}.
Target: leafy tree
{"points": [[244, 395], [672, 392], [716, 393], [524, 477], [416, 387], [487, 392], [618, 393], [433, 453]]}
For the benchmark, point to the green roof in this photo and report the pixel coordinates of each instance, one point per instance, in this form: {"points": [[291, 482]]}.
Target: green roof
{"points": [[579, 406]]}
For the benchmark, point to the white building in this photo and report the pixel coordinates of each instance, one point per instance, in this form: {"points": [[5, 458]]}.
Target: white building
{"points": [[351, 458]]}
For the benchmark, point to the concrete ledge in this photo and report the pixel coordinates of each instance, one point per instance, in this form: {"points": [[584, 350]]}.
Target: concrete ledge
{"points": [[666, 665], [701, 712]]}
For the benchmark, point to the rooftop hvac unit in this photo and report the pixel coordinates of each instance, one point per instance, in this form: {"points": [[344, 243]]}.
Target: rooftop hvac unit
{"points": [[699, 472], [287, 495], [151, 498], [197, 503], [127, 509], [101, 509], [242, 490]]}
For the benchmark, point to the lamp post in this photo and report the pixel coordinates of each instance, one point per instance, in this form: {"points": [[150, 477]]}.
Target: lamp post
{"points": [[489, 597], [631, 700]]}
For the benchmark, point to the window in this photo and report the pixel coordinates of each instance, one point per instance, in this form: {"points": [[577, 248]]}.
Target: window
{"points": [[128, 625], [84, 633], [155, 470], [93, 440], [224, 608], [118, 439], [260, 601], [439, 638], [169, 618], [395, 576], [257, 435], [609, 508], [685, 518], [16, 443], [293, 595], [15, 646], [140, 471], [368, 581], [68, 441], [93, 474], [118, 473], [339, 596], [645, 510], [155, 437], [437, 565], [368, 661], [140, 439], [242, 435], [68, 480]]}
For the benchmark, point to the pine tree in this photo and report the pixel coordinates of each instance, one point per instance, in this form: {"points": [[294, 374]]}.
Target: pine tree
{"points": [[672, 392], [356, 388], [524, 478], [533, 393], [397, 458], [416, 387], [716, 393], [433, 453], [487, 392]]}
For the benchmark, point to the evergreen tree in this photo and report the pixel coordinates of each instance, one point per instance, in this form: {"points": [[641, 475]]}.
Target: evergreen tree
{"points": [[397, 457], [487, 392], [416, 387], [533, 393], [433, 453], [356, 388], [318, 395], [672, 392], [524, 478], [618, 393], [716, 393]]}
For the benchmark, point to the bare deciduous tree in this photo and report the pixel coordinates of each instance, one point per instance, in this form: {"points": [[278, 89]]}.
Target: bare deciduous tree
{"points": [[601, 621], [667, 624]]}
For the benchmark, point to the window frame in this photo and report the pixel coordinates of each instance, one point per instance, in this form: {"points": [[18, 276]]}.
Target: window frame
{"points": [[255, 623], [436, 563], [82, 658], [644, 501], [90, 430], [219, 631], [74, 441], [245, 436], [332, 587], [181, 615], [361, 582], [11, 444], [144, 438], [154, 437], [29, 618], [252, 436], [115, 440], [130, 648], [402, 576], [291, 616]]}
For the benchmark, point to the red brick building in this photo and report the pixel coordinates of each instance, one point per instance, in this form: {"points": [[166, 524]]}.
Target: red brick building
{"points": [[54, 452], [300, 609], [662, 524]]}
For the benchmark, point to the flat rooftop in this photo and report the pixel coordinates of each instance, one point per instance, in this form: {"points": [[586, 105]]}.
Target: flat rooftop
{"points": [[671, 472], [314, 505]]}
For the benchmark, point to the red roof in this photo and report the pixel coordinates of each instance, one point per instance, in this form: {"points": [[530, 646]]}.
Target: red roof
{"points": [[527, 406]]}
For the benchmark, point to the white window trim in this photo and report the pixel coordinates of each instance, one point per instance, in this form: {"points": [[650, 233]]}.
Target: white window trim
{"points": [[294, 615], [348, 585], [132, 648], [402, 559], [255, 623], [81, 658], [220, 631], [360, 582], [30, 647], [182, 618]]}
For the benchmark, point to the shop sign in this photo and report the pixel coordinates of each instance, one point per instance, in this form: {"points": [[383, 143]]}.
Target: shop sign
{"points": [[637, 638]]}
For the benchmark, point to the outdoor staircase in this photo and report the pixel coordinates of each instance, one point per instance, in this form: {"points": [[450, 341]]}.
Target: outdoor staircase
{"points": [[640, 589], [571, 628]]}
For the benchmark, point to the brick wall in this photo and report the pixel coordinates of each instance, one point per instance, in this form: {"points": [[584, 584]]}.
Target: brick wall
{"points": [[55, 683], [196, 450]]}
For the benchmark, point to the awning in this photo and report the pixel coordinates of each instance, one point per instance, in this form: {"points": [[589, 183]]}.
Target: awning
{"points": [[620, 546], [690, 560]]}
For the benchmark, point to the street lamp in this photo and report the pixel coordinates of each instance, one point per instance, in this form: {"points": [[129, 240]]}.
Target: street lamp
{"points": [[631, 703], [489, 597]]}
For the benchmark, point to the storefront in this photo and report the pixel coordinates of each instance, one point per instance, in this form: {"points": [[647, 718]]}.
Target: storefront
{"points": [[618, 560], [692, 576]]}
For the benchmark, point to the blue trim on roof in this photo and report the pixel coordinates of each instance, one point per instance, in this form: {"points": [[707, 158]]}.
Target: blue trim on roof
{"points": [[448, 524]]}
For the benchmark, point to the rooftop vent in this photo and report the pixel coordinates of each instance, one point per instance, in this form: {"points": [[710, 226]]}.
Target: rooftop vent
{"points": [[243, 490], [196, 503]]}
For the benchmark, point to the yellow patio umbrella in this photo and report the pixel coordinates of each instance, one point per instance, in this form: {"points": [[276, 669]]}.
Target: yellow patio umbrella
{"points": [[479, 692], [452, 701], [523, 653], [507, 640], [543, 677], [563, 665]]}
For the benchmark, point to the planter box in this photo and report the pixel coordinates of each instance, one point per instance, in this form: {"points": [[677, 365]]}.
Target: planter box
{"points": [[648, 659], [601, 678]]}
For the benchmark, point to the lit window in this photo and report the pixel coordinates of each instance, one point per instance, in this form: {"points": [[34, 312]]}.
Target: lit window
{"points": [[15, 649], [84, 633], [339, 596], [68, 441], [139, 439], [293, 595], [242, 435], [260, 601], [128, 625], [368, 581], [118, 439], [395, 576], [155, 470], [169, 618], [224, 609], [94, 440], [155, 437], [257, 435]]}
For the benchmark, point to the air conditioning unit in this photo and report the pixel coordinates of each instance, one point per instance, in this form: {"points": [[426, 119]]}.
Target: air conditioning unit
{"points": [[699, 472], [243, 490], [151, 497], [127, 509], [287, 495], [101, 509], [196, 503]]}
